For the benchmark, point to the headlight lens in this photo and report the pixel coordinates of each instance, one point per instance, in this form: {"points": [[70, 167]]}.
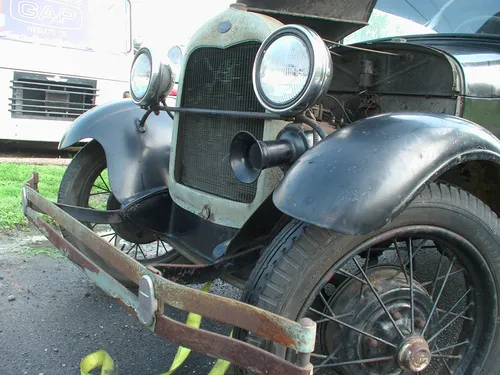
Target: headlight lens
{"points": [[284, 69], [150, 79], [292, 70], [140, 77]]}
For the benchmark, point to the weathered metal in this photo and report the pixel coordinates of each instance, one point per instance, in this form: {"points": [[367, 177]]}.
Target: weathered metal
{"points": [[331, 18], [225, 310], [414, 355], [89, 215], [363, 191], [252, 28], [131, 171], [235, 351]]}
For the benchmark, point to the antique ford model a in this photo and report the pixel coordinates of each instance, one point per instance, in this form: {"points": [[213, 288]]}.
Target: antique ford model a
{"points": [[350, 191]]}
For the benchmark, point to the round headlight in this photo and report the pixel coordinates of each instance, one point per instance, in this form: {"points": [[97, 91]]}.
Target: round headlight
{"points": [[292, 70], [140, 77], [150, 79]]}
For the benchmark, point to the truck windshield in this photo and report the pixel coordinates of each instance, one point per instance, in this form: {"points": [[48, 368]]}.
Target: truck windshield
{"points": [[395, 18], [93, 25]]}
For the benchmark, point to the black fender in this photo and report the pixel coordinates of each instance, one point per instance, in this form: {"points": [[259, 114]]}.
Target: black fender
{"points": [[362, 176], [136, 161]]}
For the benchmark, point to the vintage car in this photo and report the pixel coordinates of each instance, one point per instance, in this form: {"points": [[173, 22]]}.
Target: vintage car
{"points": [[337, 160]]}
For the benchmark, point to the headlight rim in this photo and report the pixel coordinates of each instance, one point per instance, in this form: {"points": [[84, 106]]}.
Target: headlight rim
{"points": [[320, 70], [258, 64], [161, 81]]}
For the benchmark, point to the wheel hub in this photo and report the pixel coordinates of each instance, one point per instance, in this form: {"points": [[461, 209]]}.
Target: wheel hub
{"points": [[414, 355], [360, 308], [127, 230]]}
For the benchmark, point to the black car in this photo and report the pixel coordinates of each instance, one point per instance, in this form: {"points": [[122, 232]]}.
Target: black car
{"points": [[337, 160]]}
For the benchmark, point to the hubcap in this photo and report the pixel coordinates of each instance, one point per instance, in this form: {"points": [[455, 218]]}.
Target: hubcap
{"points": [[389, 325], [414, 354]]}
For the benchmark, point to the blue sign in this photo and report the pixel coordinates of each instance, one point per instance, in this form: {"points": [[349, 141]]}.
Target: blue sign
{"points": [[45, 19]]}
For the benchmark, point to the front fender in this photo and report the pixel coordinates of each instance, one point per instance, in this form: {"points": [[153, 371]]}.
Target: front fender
{"points": [[361, 177], [136, 161]]}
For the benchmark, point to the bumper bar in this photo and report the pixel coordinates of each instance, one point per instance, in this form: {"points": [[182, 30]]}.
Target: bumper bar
{"points": [[155, 291]]}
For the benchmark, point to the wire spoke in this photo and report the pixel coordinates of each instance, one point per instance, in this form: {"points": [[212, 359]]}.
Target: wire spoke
{"points": [[403, 267], [428, 320], [327, 319], [412, 302], [455, 314], [113, 238], [321, 356], [455, 305], [330, 357], [144, 255], [450, 347], [359, 361], [99, 193], [419, 247], [104, 182], [367, 260], [348, 274], [326, 303], [444, 361], [157, 247], [102, 189], [131, 248], [461, 270], [163, 244], [108, 234], [449, 323], [449, 356], [438, 271], [334, 319], [378, 298]]}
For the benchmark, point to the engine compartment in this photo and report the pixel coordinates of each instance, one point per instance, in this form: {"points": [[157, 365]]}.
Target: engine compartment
{"points": [[384, 77]]}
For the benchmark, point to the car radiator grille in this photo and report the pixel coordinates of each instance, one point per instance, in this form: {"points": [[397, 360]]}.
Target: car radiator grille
{"points": [[36, 96], [216, 79]]}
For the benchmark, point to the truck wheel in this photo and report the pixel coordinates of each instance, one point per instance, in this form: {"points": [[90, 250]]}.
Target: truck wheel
{"points": [[85, 184], [429, 280]]}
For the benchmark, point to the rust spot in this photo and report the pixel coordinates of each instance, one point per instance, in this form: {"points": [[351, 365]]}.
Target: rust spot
{"points": [[206, 213]]}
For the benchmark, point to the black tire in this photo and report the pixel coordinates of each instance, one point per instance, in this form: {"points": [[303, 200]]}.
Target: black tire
{"points": [[75, 189], [292, 268]]}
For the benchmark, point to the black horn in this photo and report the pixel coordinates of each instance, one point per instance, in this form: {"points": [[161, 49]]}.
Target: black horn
{"points": [[249, 156]]}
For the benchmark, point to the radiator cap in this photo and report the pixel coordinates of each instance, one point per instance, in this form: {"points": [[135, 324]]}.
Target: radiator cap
{"points": [[238, 6]]}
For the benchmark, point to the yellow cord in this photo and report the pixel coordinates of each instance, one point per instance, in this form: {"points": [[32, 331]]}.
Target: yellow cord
{"points": [[103, 360]]}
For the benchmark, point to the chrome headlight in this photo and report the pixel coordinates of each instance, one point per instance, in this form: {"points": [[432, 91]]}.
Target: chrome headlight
{"points": [[150, 79], [292, 70]]}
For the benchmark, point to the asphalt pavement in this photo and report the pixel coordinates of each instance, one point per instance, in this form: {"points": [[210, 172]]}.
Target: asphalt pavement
{"points": [[51, 316]]}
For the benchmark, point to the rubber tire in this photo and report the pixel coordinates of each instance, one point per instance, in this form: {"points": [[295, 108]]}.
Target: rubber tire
{"points": [[301, 254], [81, 168]]}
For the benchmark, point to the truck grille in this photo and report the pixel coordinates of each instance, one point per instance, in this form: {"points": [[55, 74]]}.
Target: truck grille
{"points": [[216, 78], [35, 96]]}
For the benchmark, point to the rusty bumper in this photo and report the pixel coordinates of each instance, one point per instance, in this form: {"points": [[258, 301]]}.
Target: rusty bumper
{"points": [[297, 336]]}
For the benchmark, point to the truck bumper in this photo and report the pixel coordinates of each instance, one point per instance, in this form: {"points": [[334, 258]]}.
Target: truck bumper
{"points": [[155, 291]]}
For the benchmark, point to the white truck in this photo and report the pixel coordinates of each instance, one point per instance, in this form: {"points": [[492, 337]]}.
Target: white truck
{"points": [[58, 59]]}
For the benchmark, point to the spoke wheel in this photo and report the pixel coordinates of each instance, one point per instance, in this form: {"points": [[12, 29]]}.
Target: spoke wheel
{"points": [[85, 184], [385, 315], [138, 243], [419, 296]]}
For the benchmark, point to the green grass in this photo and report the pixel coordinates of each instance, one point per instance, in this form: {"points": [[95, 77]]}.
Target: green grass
{"points": [[12, 179], [44, 251]]}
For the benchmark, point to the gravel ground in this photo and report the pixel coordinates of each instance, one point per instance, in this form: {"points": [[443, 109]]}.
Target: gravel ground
{"points": [[51, 316]]}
